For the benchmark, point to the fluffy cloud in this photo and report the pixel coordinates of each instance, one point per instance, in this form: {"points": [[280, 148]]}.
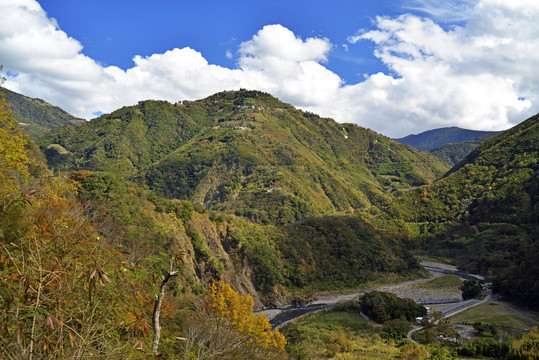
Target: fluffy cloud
{"points": [[480, 75], [290, 66]]}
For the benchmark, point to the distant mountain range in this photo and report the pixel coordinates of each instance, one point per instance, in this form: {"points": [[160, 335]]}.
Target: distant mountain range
{"points": [[449, 144], [431, 139], [35, 115], [489, 205]]}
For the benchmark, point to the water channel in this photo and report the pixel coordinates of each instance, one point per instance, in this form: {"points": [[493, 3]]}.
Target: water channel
{"points": [[280, 316]]}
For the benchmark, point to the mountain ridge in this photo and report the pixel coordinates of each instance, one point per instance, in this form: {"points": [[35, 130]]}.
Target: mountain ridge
{"points": [[484, 212], [452, 153], [36, 116], [430, 139], [246, 152]]}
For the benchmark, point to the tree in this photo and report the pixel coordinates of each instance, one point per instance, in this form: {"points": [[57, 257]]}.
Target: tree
{"points": [[413, 352], [230, 330], [167, 275], [13, 157], [237, 310], [470, 289], [64, 292], [525, 348]]}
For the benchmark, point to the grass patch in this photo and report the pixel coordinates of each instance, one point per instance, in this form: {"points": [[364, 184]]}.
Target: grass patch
{"points": [[323, 289], [441, 282], [336, 334], [421, 255], [491, 313]]}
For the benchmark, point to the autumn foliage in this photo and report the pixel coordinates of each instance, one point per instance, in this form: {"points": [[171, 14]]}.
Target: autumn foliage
{"points": [[13, 158], [237, 310], [64, 291]]}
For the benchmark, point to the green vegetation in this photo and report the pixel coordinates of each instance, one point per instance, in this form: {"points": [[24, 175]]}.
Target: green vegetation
{"points": [[487, 347], [431, 139], [453, 153], [321, 253], [439, 335], [395, 329], [335, 252], [492, 313], [272, 164], [525, 348], [36, 116], [484, 212], [471, 290], [342, 334], [441, 282], [277, 202], [381, 307], [486, 344], [442, 339]]}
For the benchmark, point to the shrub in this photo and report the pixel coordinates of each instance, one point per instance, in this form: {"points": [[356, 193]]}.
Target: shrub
{"points": [[382, 306]]}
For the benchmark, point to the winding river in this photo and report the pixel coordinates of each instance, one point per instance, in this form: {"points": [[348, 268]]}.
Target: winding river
{"points": [[280, 316]]}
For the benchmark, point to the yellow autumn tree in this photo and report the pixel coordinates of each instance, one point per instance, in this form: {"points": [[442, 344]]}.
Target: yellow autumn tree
{"points": [[237, 310], [13, 158]]}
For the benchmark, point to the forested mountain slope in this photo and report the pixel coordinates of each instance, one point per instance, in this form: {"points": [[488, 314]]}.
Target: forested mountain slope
{"points": [[83, 255], [452, 153], [430, 139], [247, 153], [36, 116], [485, 211]]}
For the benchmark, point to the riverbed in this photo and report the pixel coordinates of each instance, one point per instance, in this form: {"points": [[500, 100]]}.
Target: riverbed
{"points": [[407, 289]]}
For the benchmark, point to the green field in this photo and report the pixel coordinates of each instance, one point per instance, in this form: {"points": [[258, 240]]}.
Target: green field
{"points": [[441, 282], [342, 335], [492, 313]]}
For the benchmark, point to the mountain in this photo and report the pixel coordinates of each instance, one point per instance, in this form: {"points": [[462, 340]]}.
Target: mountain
{"points": [[485, 212], [452, 153], [323, 206], [35, 115], [141, 229], [246, 153], [431, 139]]}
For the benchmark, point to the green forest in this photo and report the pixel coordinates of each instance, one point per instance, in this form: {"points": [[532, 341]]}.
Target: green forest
{"points": [[126, 236]]}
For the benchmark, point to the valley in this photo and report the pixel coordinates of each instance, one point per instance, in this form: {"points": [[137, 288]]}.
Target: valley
{"points": [[278, 206], [440, 297]]}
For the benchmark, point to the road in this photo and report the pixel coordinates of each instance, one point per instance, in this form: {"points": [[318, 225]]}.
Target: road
{"points": [[279, 317], [454, 310]]}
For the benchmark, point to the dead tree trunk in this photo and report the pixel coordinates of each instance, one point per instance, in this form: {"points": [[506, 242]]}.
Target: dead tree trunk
{"points": [[157, 309]]}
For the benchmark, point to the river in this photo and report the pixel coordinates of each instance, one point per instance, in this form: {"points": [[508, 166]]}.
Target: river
{"points": [[407, 289]]}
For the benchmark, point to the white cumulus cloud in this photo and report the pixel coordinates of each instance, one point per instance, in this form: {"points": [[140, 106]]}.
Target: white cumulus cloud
{"points": [[480, 75]]}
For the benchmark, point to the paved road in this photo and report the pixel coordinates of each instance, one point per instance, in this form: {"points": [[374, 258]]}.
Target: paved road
{"points": [[466, 305], [487, 298], [413, 331], [285, 315]]}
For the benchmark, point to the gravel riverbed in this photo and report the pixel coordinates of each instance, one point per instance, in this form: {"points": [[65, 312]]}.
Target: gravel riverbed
{"points": [[407, 289]]}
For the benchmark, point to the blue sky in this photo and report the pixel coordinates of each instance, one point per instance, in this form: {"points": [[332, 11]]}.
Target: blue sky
{"points": [[112, 32], [395, 66]]}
